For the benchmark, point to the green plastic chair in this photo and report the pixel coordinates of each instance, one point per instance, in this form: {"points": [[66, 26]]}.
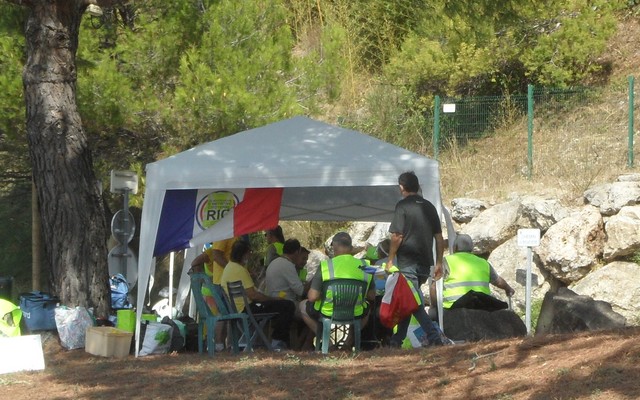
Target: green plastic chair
{"points": [[346, 293], [239, 322]]}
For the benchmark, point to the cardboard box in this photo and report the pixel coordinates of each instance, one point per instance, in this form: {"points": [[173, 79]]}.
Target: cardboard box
{"points": [[107, 341]]}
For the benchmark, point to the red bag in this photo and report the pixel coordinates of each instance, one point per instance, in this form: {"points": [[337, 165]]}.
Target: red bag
{"points": [[400, 300]]}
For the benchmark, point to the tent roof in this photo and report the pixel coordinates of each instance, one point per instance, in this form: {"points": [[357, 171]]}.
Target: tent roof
{"points": [[328, 172]]}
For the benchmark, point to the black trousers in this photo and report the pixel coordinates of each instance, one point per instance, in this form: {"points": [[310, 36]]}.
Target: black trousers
{"points": [[281, 323]]}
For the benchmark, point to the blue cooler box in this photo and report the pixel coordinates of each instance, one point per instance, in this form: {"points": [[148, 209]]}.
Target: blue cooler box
{"points": [[38, 310]]}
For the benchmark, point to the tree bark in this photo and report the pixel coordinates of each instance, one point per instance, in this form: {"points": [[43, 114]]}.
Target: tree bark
{"points": [[74, 227], [36, 242]]}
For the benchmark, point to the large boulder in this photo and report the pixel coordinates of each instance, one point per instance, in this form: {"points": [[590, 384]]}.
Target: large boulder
{"points": [[315, 258], [473, 325], [493, 226], [615, 283], [374, 232], [571, 248], [566, 312], [633, 177], [507, 259], [611, 197], [623, 233], [379, 232], [541, 213], [464, 209], [360, 233]]}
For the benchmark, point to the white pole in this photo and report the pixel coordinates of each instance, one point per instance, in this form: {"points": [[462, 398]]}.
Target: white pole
{"points": [[439, 290], [528, 290], [171, 258]]}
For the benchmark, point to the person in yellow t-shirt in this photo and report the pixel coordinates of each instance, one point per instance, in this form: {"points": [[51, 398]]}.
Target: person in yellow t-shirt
{"points": [[213, 260], [216, 256]]}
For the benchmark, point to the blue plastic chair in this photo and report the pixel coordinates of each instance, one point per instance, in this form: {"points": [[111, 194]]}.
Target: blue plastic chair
{"points": [[239, 321], [345, 295]]}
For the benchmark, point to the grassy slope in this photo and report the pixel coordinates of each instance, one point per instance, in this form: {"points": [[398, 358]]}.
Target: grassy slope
{"points": [[571, 151]]}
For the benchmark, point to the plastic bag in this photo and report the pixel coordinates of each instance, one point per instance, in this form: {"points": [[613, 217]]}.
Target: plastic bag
{"points": [[157, 339], [72, 324], [399, 301]]}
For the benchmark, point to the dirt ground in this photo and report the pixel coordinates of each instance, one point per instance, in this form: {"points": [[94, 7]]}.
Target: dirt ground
{"points": [[591, 365]]}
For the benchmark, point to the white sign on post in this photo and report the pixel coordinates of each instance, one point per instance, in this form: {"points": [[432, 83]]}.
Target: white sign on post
{"points": [[528, 238], [122, 181]]}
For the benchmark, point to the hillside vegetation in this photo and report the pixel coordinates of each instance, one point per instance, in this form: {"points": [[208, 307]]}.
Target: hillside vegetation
{"points": [[572, 150]]}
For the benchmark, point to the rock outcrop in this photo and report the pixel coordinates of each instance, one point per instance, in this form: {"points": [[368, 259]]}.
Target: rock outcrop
{"points": [[566, 312]]}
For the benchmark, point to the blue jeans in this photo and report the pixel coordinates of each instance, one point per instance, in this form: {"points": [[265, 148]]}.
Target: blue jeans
{"points": [[433, 335]]}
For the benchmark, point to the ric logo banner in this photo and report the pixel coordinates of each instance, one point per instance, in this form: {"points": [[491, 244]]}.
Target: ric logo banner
{"points": [[213, 207]]}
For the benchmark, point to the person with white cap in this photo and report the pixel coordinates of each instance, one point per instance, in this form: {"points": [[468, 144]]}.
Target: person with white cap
{"points": [[465, 272]]}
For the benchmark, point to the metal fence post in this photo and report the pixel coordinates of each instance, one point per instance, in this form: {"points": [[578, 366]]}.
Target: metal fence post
{"points": [[630, 144], [436, 127], [530, 130]]}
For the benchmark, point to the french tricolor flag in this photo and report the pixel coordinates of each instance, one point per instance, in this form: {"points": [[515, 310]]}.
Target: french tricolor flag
{"points": [[194, 217]]}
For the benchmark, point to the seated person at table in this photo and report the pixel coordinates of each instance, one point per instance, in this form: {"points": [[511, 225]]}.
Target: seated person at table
{"points": [[258, 302], [342, 265], [282, 278], [301, 267], [465, 272], [383, 252], [275, 240]]}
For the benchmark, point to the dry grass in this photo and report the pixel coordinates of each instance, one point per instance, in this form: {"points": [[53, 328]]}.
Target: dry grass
{"points": [[572, 150]]}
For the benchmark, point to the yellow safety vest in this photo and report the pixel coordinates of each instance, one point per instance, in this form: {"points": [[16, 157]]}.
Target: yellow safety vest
{"points": [[6, 329], [345, 266], [279, 246], [466, 272]]}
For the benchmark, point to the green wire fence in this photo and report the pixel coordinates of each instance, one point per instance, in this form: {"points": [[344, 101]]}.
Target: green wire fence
{"points": [[602, 121]]}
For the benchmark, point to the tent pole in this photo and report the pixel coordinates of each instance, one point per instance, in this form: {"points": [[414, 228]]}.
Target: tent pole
{"points": [[171, 259]]}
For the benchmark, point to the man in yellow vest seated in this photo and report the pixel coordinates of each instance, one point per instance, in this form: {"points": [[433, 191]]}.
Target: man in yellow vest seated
{"points": [[342, 265], [275, 241], [465, 272]]}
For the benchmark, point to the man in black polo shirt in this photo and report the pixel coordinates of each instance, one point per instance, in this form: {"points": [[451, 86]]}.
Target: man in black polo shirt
{"points": [[414, 228]]}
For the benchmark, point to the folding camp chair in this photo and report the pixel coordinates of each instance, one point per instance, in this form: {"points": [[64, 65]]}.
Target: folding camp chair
{"points": [[207, 317], [345, 295], [259, 322]]}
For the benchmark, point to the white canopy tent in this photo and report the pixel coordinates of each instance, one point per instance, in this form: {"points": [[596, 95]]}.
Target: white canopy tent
{"points": [[324, 173]]}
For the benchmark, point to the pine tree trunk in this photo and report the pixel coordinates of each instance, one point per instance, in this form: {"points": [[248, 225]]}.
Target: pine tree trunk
{"points": [[73, 220]]}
